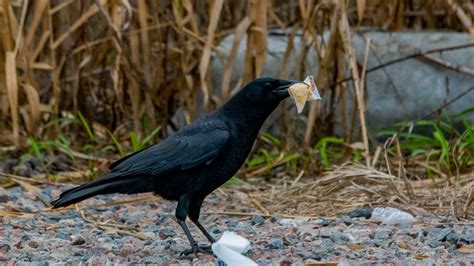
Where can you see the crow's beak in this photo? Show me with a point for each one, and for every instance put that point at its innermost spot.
(282, 89)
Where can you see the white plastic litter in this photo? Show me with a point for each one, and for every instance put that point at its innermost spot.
(229, 249)
(303, 92)
(389, 215)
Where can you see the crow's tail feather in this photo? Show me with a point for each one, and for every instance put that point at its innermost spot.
(107, 185)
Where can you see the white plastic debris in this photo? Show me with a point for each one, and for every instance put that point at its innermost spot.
(229, 249)
(303, 92)
(389, 215)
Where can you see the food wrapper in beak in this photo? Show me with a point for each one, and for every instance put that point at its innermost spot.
(304, 92)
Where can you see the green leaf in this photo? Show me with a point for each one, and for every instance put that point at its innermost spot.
(150, 136)
(136, 145)
(117, 143)
(322, 146)
(86, 126)
(35, 147)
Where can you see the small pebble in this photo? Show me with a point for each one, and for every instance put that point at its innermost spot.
(214, 229)
(437, 235)
(383, 233)
(166, 232)
(361, 213)
(78, 240)
(348, 220)
(322, 221)
(301, 221)
(261, 262)
(5, 248)
(318, 255)
(276, 243)
(33, 244)
(257, 220)
(231, 223)
(287, 222)
(242, 224)
(4, 195)
(457, 239)
(339, 238)
(275, 219)
(63, 234)
(469, 230)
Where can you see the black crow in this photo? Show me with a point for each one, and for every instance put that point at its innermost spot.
(199, 158)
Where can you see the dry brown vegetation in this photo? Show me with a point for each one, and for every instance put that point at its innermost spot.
(139, 61)
(131, 65)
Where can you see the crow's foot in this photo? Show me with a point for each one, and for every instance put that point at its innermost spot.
(195, 249)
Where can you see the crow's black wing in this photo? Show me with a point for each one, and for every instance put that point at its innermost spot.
(188, 148)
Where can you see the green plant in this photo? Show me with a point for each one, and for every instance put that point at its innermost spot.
(325, 152)
(62, 144)
(86, 126)
(117, 143)
(138, 144)
(445, 142)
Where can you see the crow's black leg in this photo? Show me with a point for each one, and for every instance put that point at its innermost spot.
(181, 214)
(194, 211)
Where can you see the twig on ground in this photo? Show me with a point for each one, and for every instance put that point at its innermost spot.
(32, 180)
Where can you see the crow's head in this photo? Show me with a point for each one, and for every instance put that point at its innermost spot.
(267, 90)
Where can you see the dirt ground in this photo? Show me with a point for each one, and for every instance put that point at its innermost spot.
(142, 229)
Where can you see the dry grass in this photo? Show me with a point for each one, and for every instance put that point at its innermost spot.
(351, 186)
(131, 65)
(140, 61)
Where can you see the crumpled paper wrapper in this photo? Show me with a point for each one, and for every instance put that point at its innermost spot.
(229, 250)
(304, 92)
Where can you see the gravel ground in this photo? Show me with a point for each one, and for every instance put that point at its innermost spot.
(146, 232)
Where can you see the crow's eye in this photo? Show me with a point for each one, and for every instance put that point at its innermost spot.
(268, 86)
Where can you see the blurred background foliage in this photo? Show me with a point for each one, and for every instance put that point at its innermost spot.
(109, 76)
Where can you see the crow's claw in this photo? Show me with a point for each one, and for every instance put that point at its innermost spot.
(197, 249)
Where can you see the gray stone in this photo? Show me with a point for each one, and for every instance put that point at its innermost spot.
(242, 224)
(5, 248)
(469, 230)
(39, 263)
(166, 232)
(339, 238)
(231, 222)
(27, 205)
(437, 235)
(301, 221)
(367, 243)
(4, 195)
(63, 234)
(33, 244)
(348, 220)
(405, 226)
(456, 238)
(327, 243)
(319, 254)
(383, 233)
(156, 260)
(287, 222)
(276, 243)
(257, 220)
(453, 263)
(322, 221)
(360, 213)
(215, 229)
(262, 262)
(407, 90)
(77, 240)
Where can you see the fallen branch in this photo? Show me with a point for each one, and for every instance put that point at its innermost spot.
(410, 56)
